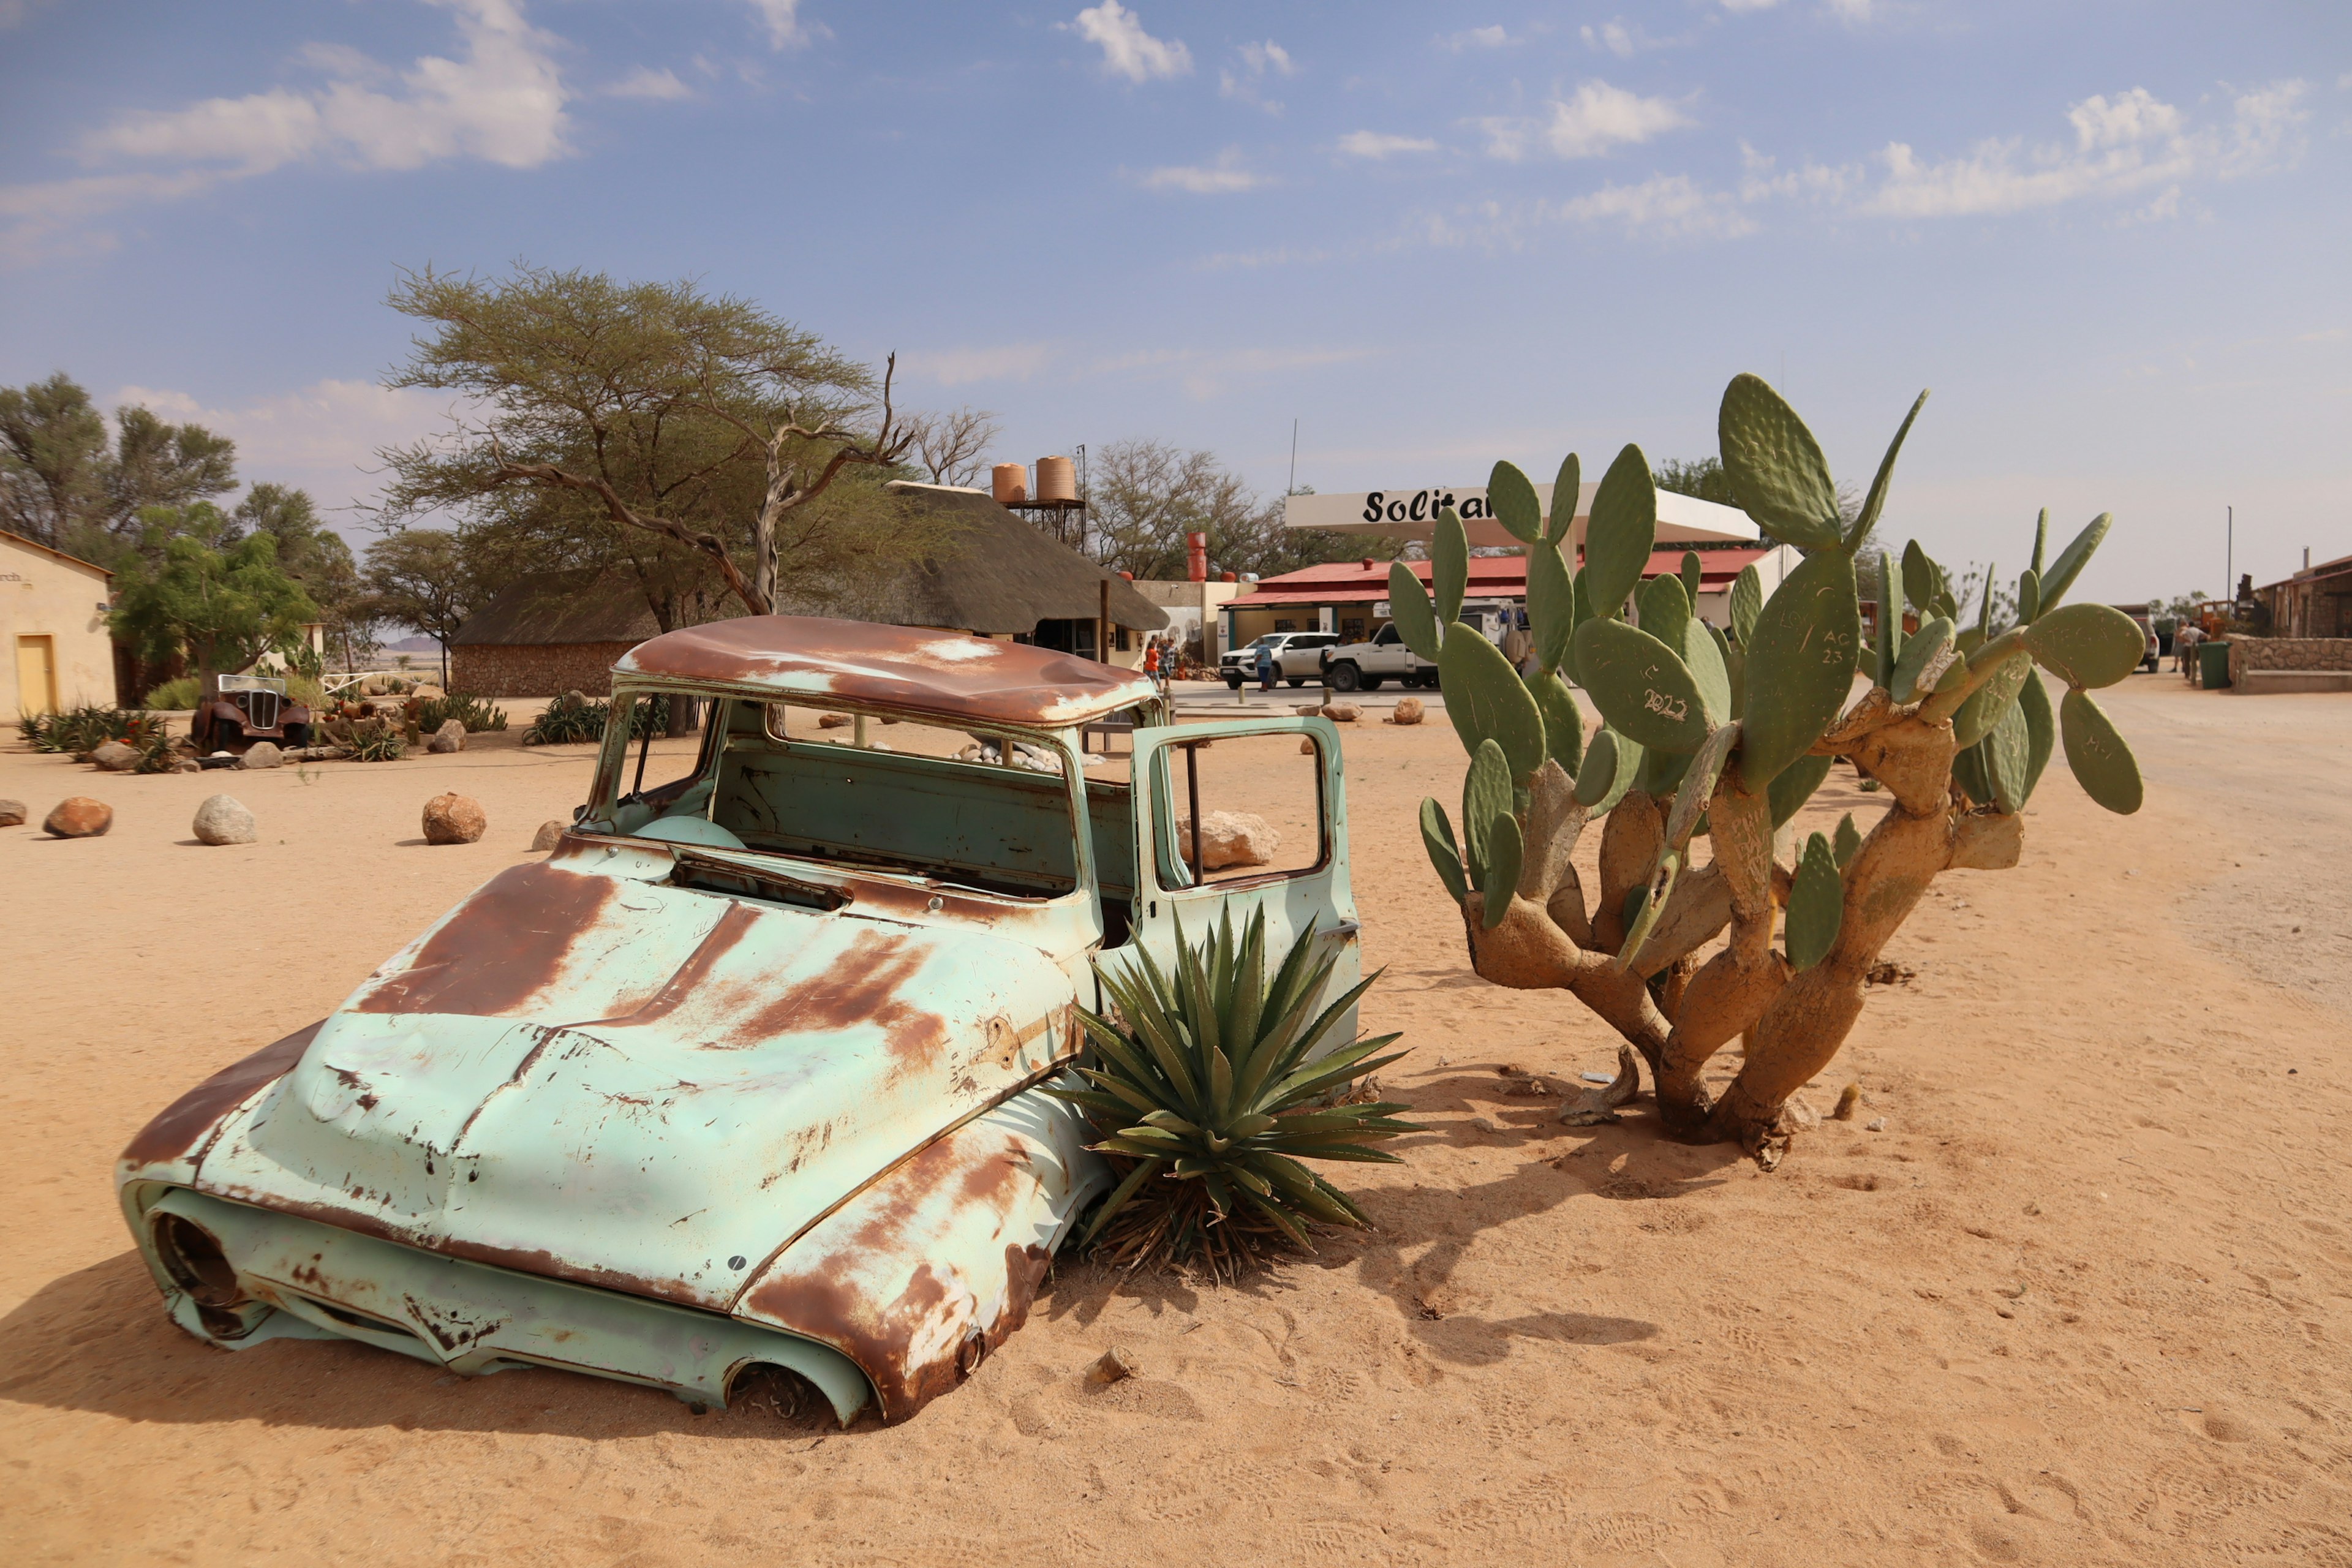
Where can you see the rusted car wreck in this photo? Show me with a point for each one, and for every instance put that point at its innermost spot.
(737, 1084)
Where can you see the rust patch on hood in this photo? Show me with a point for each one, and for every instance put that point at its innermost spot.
(183, 1126)
(862, 986)
(500, 947)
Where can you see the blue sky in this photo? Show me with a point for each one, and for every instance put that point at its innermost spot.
(2116, 238)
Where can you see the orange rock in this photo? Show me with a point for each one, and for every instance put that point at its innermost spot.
(78, 817)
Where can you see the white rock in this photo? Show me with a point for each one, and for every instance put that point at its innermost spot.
(450, 736)
(262, 755)
(114, 757)
(1229, 838)
(1342, 712)
(223, 820)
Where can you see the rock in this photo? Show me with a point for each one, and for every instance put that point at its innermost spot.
(1342, 712)
(223, 820)
(1229, 838)
(12, 812)
(832, 720)
(1308, 710)
(450, 736)
(1307, 745)
(1875, 1124)
(550, 834)
(1408, 710)
(114, 757)
(262, 755)
(1116, 1366)
(428, 692)
(78, 817)
(453, 820)
(572, 701)
(187, 766)
(374, 686)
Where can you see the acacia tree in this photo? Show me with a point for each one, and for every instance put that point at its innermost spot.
(953, 447)
(62, 483)
(214, 595)
(418, 577)
(702, 424)
(1723, 737)
(1145, 496)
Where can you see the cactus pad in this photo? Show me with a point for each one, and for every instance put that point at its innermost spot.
(1610, 764)
(1563, 725)
(1918, 653)
(1504, 848)
(2103, 765)
(1698, 785)
(1551, 603)
(1691, 575)
(1846, 844)
(1566, 488)
(2087, 644)
(1415, 622)
(1816, 906)
(1747, 604)
(1623, 531)
(1776, 468)
(1800, 666)
(2040, 730)
(1512, 499)
(1449, 565)
(1487, 702)
(1487, 798)
(1437, 838)
(1874, 502)
(1641, 687)
(1977, 716)
(1794, 786)
(2073, 559)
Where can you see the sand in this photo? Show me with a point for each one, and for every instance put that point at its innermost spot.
(2087, 1299)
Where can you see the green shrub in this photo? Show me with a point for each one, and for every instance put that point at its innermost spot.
(377, 744)
(473, 712)
(1208, 1094)
(84, 729)
(562, 723)
(176, 696)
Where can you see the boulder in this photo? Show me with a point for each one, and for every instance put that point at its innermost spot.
(1307, 745)
(572, 701)
(450, 736)
(223, 820)
(78, 817)
(1342, 712)
(12, 812)
(453, 820)
(262, 755)
(1229, 838)
(1308, 710)
(832, 720)
(1408, 710)
(550, 834)
(426, 691)
(187, 766)
(114, 757)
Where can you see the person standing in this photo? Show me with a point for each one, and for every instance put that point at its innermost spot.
(1265, 666)
(2184, 646)
(1151, 663)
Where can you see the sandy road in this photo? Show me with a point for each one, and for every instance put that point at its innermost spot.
(2087, 1300)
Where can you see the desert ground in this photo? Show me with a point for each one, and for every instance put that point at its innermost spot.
(2086, 1298)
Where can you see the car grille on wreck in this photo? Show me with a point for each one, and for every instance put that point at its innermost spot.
(261, 709)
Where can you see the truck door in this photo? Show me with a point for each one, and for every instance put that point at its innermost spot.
(1261, 798)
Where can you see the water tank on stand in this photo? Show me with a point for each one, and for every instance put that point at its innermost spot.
(1057, 480)
(1009, 483)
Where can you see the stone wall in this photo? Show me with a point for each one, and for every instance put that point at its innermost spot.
(547, 669)
(2288, 652)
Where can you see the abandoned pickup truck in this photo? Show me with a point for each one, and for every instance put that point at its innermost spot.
(738, 1088)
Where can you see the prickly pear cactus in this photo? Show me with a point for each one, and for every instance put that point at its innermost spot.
(1721, 733)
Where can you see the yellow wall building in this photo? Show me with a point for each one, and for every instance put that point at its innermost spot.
(53, 621)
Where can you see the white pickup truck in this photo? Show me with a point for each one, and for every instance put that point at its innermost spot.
(1363, 666)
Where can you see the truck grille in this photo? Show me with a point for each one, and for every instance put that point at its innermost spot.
(261, 710)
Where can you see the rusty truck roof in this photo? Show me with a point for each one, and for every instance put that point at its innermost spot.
(923, 670)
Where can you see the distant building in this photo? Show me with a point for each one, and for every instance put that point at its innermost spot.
(561, 631)
(2316, 602)
(53, 609)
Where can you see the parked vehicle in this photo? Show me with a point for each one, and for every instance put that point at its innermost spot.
(738, 1088)
(1363, 666)
(1294, 658)
(2145, 615)
(235, 711)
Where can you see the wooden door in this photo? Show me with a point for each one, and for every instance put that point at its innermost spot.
(37, 675)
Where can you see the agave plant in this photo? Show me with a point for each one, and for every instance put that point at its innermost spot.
(1210, 1090)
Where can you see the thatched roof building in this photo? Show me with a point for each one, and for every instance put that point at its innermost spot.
(994, 575)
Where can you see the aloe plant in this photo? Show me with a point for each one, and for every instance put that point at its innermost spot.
(1211, 1086)
(1724, 733)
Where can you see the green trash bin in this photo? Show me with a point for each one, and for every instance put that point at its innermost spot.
(2212, 665)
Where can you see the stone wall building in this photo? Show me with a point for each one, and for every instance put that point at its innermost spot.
(550, 633)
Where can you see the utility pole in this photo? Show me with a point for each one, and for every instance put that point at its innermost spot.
(1293, 489)
(2230, 559)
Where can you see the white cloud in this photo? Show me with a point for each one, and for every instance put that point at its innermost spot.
(960, 367)
(1381, 144)
(322, 439)
(1611, 36)
(1665, 206)
(1259, 61)
(1128, 49)
(1224, 177)
(648, 83)
(782, 20)
(1852, 10)
(1490, 37)
(1737, 6)
(2123, 145)
(1597, 118)
(501, 100)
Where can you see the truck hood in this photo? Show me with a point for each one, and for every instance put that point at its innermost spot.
(640, 1086)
